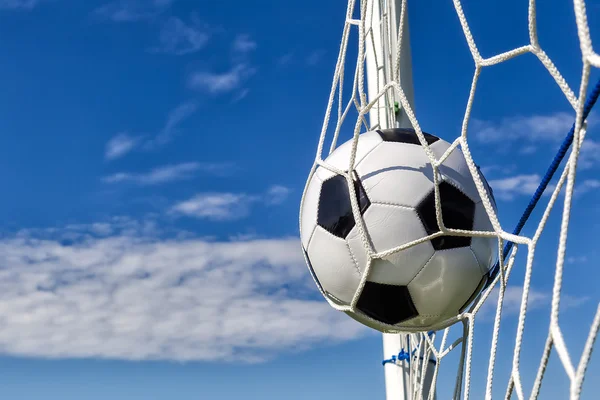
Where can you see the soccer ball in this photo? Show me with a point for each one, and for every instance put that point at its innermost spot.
(424, 285)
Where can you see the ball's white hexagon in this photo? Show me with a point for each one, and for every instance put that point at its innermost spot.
(390, 226)
(390, 169)
(310, 209)
(340, 158)
(444, 285)
(455, 169)
(484, 248)
(333, 264)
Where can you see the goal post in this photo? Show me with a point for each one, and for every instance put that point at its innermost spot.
(386, 34)
(383, 31)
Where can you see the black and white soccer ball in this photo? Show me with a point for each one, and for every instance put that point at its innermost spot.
(420, 287)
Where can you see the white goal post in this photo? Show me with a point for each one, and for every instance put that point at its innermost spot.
(387, 33)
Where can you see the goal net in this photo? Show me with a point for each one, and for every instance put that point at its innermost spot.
(508, 358)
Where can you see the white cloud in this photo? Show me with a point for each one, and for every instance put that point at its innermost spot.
(228, 206)
(133, 296)
(315, 57)
(528, 149)
(567, 301)
(552, 127)
(577, 259)
(503, 169)
(179, 38)
(511, 187)
(167, 173)
(587, 185)
(18, 4)
(174, 119)
(222, 82)
(124, 143)
(216, 206)
(285, 59)
(512, 301)
(232, 80)
(243, 44)
(277, 194)
(589, 154)
(120, 145)
(132, 10)
(115, 226)
(178, 115)
(526, 134)
(537, 299)
(525, 185)
(241, 95)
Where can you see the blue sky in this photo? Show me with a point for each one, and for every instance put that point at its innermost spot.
(153, 157)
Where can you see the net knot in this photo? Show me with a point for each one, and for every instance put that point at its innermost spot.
(402, 356)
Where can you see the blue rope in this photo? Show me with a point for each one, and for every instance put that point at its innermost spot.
(546, 179)
(403, 355)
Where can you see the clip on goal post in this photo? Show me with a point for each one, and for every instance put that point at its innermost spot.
(412, 361)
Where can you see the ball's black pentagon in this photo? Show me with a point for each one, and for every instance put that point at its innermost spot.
(405, 135)
(458, 212)
(389, 304)
(482, 283)
(335, 209)
(311, 270)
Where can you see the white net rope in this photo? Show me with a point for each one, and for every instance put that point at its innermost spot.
(356, 109)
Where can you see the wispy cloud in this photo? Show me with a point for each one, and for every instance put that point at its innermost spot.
(537, 299)
(18, 4)
(277, 194)
(552, 127)
(241, 95)
(568, 301)
(124, 143)
(174, 119)
(216, 206)
(133, 296)
(587, 185)
(231, 80)
(220, 82)
(178, 37)
(228, 206)
(243, 44)
(525, 185)
(503, 169)
(513, 186)
(315, 57)
(577, 259)
(167, 173)
(512, 301)
(527, 134)
(589, 155)
(132, 10)
(285, 59)
(120, 145)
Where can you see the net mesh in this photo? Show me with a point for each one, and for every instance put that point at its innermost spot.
(377, 23)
